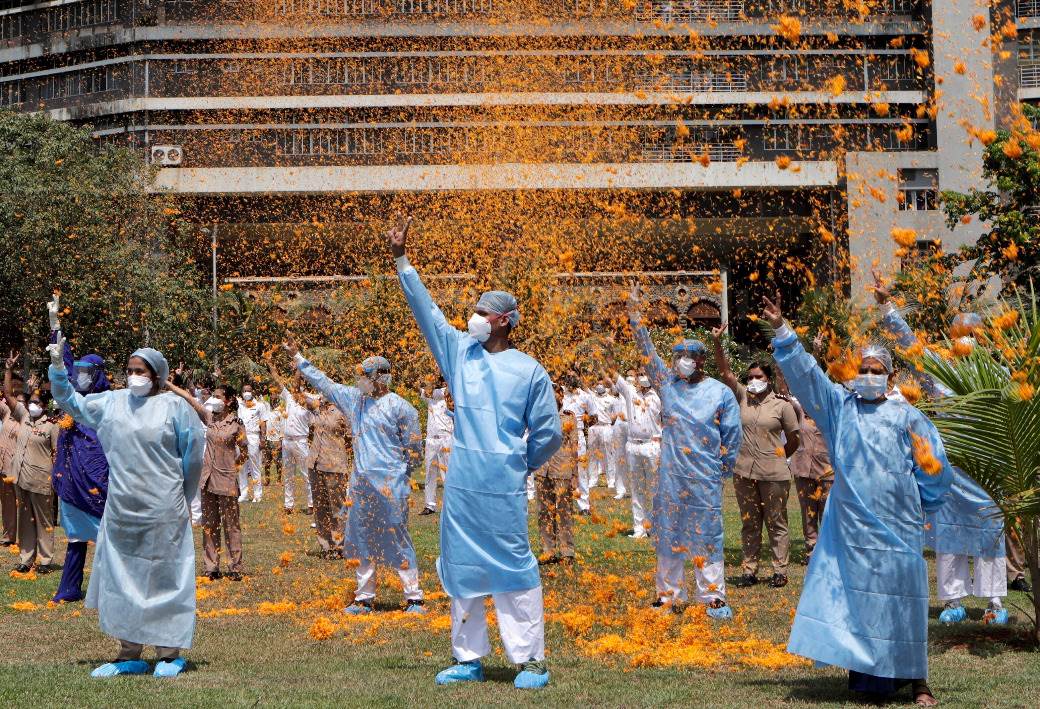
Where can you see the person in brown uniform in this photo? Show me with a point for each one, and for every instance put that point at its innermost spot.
(329, 463)
(762, 480)
(555, 483)
(8, 505)
(225, 451)
(813, 477)
(35, 443)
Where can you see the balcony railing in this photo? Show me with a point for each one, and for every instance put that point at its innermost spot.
(1028, 8)
(1029, 76)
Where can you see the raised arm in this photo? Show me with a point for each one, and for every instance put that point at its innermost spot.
(342, 396)
(722, 361)
(9, 365)
(87, 410)
(655, 367)
(819, 396)
(204, 415)
(442, 338)
(53, 315)
(905, 338)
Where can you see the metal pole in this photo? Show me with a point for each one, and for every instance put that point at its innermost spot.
(724, 302)
(213, 251)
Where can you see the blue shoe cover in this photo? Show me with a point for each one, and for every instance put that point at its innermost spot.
(126, 667)
(358, 609)
(956, 614)
(720, 613)
(169, 668)
(462, 672)
(415, 609)
(531, 680)
(1000, 617)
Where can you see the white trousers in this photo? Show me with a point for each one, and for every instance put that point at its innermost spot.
(366, 582)
(583, 473)
(643, 462)
(619, 454)
(294, 463)
(521, 623)
(438, 450)
(196, 507)
(250, 471)
(955, 581)
(601, 454)
(671, 580)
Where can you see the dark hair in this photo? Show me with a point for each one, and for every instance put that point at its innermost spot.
(766, 368)
(229, 393)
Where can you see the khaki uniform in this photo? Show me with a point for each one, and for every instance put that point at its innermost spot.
(813, 477)
(219, 485)
(31, 462)
(330, 463)
(1015, 556)
(555, 483)
(763, 479)
(8, 504)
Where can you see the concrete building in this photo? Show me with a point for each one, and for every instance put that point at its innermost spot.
(759, 129)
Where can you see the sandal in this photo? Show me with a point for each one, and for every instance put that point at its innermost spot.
(923, 696)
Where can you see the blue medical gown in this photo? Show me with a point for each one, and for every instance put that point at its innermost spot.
(498, 398)
(387, 445)
(700, 440)
(864, 604)
(969, 522)
(143, 579)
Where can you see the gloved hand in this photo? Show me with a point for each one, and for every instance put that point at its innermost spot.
(57, 350)
(53, 308)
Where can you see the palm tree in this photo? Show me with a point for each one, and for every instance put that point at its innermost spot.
(991, 423)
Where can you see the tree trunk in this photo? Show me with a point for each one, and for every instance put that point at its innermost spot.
(1031, 539)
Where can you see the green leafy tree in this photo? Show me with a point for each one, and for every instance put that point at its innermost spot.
(1010, 248)
(77, 217)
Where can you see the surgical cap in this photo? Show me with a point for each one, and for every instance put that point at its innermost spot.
(156, 361)
(375, 364)
(693, 347)
(878, 352)
(968, 321)
(502, 303)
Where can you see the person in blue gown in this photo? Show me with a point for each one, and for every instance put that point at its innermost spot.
(80, 473)
(700, 441)
(387, 446)
(143, 579)
(864, 604)
(968, 528)
(506, 426)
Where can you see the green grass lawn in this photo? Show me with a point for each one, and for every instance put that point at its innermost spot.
(252, 659)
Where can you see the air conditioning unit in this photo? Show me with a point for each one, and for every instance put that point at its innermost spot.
(167, 155)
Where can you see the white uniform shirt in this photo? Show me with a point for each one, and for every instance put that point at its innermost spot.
(643, 411)
(607, 407)
(275, 424)
(439, 421)
(297, 418)
(581, 403)
(251, 416)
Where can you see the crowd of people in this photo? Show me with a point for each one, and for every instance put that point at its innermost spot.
(132, 467)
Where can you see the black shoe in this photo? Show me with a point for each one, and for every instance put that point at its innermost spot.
(235, 576)
(658, 604)
(1020, 584)
(309, 511)
(585, 513)
(549, 560)
(745, 581)
(214, 575)
(778, 581)
(44, 569)
(567, 560)
(428, 511)
(22, 568)
(805, 560)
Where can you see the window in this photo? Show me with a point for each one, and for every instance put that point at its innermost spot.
(11, 93)
(918, 189)
(184, 66)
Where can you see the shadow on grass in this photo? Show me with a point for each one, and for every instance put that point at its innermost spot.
(978, 639)
(189, 666)
(809, 689)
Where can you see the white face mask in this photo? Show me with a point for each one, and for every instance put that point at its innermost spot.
(479, 328)
(644, 382)
(685, 366)
(83, 381)
(757, 386)
(870, 387)
(214, 405)
(365, 385)
(139, 384)
(35, 410)
(247, 396)
(600, 389)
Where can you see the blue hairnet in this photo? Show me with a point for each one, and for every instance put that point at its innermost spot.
(156, 361)
(878, 352)
(502, 303)
(693, 347)
(375, 364)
